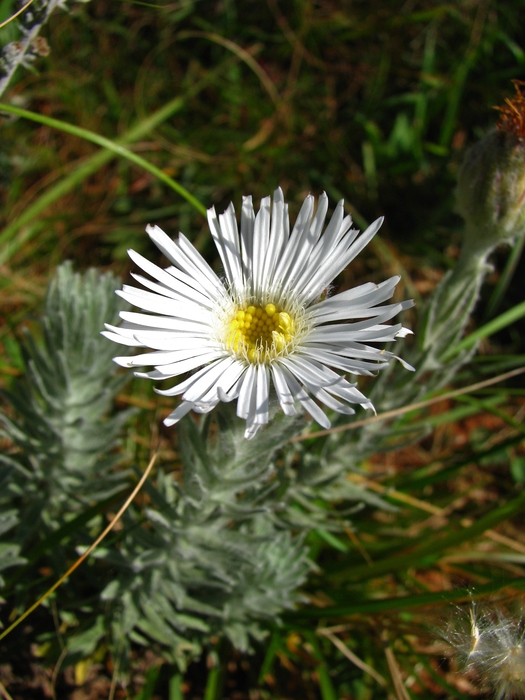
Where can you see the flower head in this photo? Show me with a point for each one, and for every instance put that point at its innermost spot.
(491, 180)
(269, 322)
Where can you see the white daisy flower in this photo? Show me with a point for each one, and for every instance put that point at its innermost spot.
(268, 323)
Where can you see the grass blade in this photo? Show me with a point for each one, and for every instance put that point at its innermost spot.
(115, 147)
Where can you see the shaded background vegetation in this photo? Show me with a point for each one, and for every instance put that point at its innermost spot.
(373, 102)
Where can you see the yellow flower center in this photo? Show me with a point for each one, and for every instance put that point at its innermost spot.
(260, 333)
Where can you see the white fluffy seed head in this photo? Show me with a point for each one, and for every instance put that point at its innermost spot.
(492, 644)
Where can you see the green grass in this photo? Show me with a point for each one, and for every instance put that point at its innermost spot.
(152, 112)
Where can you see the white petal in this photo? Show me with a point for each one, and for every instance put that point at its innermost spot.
(300, 394)
(235, 390)
(373, 334)
(314, 376)
(247, 396)
(223, 377)
(185, 257)
(163, 243)
(190, 281)
(199, 389)
(349, 364)
(226, 236)
(247, 226)
(351, 312)
(198, 267)
(322, 252)
(311, 373)
(349, 350)
(251, 429)
(175, 368)
(187, 383)
(178, 413)
(205, 407)
(332, 245)
(168, 280)
(159, 288)
(263, 391)
(283, 392)
(154, 302)
(350, 394)
(167, 361)
(405, 364)
(334, 264)
(118, 337)
(261, 233)
(363, 297)
(145, 321)
(346, 331)
(293, 248)
(333, 403)
(307, 236)
(162, 340)
(188, 306)
(320, 216)
(404, 332)
(278, 238)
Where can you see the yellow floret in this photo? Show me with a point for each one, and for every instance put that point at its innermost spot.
(259, 334)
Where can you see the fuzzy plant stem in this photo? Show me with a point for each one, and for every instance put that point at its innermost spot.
(449, 310)
(444, 321)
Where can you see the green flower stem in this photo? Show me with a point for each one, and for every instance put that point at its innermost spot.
(505, 277)
(451, 305)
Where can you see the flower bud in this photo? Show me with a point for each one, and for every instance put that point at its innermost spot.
(491, 181)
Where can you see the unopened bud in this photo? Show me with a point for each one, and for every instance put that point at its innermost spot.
(491, 181)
